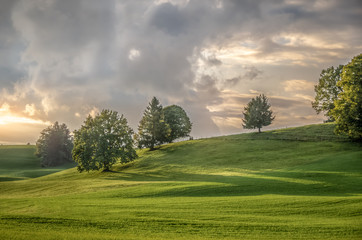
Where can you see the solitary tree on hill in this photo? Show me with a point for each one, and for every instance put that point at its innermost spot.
(102, 141)
(257, 113)
(54, 145)
(152, 129)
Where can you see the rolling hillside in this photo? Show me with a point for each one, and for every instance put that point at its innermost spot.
(19, 162)
(297, 183)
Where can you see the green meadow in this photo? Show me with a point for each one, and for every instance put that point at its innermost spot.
(295, 183)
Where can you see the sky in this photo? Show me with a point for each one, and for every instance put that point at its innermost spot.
(63, 60)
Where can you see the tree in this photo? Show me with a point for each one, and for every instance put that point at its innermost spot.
(152, 129)
(257, 113)
(348, 106)
(54, 145)
(178, 121)
(327, 91)
(102, 141)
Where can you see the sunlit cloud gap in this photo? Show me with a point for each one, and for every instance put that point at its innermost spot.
(16, 119)
(8, 117)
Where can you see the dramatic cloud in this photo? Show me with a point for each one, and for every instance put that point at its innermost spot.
(61, 60)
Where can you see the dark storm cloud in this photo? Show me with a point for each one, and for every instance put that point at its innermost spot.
(69, 42)
(283, 103)
(252, 73)
(213, 61)
(295, 12)
(10, 47)
(71, 56)
(232, 81)
(169, 19)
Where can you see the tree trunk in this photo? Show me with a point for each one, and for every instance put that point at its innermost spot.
(259, 130)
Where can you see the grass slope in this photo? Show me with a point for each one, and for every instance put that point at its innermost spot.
(301, 183)
(19, 162)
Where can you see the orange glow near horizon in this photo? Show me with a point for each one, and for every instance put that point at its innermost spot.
(17, 128)
(16, 119)
(8, 117)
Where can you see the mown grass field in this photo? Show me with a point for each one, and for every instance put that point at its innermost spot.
(301, 183)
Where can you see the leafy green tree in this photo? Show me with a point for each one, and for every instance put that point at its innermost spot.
(102, 141)
(348, 106)
(54, 145)
(327, 91)
(257, 113)
(178, 121)
(152, 129)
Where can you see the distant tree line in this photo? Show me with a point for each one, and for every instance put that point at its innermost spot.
(106, 138)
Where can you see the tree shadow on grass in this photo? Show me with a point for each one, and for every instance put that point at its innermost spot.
(9, 179)
(7, 175)
(213, 185)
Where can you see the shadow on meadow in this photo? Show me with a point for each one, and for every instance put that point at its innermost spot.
(10, 179)
(239, 169)
(248, 184)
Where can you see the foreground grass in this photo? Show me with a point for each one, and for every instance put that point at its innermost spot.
(286, 184)
(252, 217)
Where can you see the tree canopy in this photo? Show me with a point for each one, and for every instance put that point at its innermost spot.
(348, 105)
(257, 113)
(54, 145)
(152, 129)
(327, 91)
(178, 122)
(102, 141)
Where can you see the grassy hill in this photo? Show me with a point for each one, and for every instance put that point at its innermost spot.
(19, 162)
(299, 183)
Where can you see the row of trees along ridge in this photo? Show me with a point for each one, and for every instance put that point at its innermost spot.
(106, 139)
